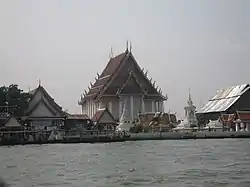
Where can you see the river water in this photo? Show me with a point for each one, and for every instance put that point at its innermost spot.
(176, 163)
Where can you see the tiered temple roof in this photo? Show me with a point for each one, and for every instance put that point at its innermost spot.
(122, 74)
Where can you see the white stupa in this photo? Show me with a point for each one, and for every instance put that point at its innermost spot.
(124, 123)
(190, 119)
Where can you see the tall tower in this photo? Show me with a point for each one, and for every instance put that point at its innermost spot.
(190, 112)
(190, 119)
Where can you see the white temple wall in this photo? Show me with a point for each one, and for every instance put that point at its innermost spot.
(134, 105)
(137, 105)
(114, 108)
(161, 106)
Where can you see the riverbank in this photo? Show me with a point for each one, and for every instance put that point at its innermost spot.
(139, 137)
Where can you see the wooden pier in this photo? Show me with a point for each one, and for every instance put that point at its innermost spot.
(108, 136)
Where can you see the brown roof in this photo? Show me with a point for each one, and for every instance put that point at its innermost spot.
(243, 115)
(108, 76)
(77, 116)
(107, 73)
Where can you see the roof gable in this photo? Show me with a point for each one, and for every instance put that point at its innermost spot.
(131, 85)
(224, 99)
(12, 122)
(42, 109)
(103, 116)
(39, 94)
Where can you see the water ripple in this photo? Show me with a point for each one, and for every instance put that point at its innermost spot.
(151, 163)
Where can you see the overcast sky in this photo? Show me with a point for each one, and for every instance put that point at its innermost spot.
(197, 44)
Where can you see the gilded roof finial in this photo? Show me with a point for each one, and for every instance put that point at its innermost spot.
(39, 82)
(130, 47)
(190, 102)
(127, 46)
(189, 94)
(111, 53)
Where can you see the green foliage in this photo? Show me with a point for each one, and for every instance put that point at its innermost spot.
(14, 98)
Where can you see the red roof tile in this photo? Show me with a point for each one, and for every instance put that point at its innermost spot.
(244, 115)
(227, 117)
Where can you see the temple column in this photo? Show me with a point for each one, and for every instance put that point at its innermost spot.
(88, 108)
(242, 127)
(142, 105)
(132, 108)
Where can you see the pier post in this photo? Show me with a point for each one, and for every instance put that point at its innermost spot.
(237, 127)
(247, 126)
(242, 127)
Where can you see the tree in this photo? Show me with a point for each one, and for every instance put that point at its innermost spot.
(14, 99)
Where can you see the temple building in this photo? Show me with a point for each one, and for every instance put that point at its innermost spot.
(43, 112)
(123, 84)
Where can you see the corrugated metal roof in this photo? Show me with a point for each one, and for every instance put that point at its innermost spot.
(224, 99)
